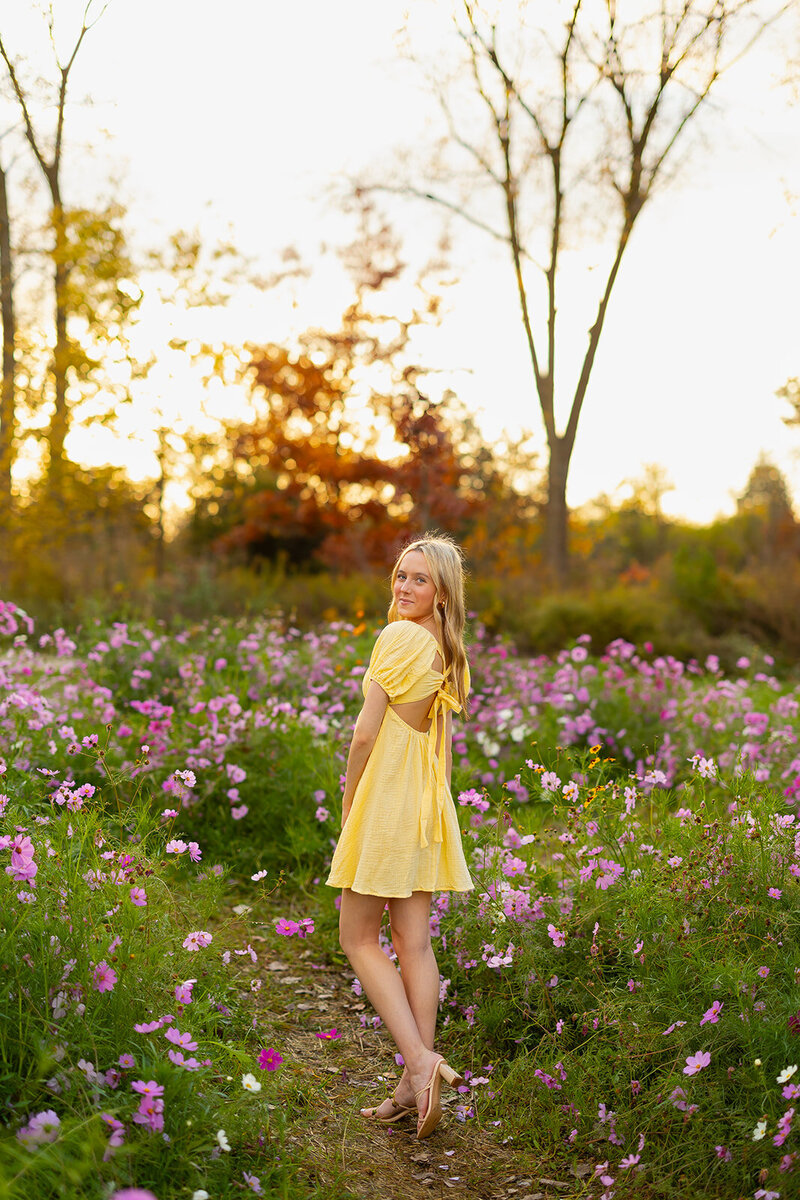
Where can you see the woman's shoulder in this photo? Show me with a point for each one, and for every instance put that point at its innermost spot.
(403, 633)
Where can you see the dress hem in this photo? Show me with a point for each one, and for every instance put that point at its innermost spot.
(399, 895)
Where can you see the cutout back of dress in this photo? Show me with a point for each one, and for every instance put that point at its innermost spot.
(415, 713)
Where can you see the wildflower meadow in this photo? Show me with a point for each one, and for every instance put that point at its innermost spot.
(621, 989)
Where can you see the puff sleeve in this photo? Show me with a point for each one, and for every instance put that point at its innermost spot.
(402, 654)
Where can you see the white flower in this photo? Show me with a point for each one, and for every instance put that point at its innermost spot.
(224, 1144)
(759, 1131)
(250, 1083)
(200, 1194)
(787, 1073)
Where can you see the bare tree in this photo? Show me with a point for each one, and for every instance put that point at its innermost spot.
(567, 125)
(48, 152)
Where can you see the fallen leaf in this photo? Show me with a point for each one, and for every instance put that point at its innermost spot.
(582, 1170)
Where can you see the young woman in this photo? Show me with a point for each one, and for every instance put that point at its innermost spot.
(400, 837)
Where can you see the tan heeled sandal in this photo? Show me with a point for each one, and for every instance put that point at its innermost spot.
(398, 1112)
(433, 1113)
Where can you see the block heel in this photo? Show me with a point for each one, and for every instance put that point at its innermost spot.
(450, 1076)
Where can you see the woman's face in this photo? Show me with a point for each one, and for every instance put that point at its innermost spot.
(414, 590)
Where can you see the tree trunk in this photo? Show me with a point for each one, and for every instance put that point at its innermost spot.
(8, 393)
(59, 425)
(557, 515)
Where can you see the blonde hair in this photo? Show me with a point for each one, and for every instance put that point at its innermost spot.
(445, 562)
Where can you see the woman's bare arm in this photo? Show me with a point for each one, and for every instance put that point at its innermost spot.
(364, 736)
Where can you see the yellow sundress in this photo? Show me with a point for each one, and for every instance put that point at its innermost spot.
(402, 833)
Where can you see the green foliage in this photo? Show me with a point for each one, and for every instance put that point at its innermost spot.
(93, 945)
(641, 931)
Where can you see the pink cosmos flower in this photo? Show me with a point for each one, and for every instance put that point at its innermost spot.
(195, 853)
(117, 1136)
(189, 1064)
(322, 813)
(148, 1026)
(775, 893)
(557, 937)
(238, 813)
(763, 972)
(184, 1040)
(197, 940)
(330, 1035)
(696, 1062)
(711, 1015)
(235, 774)
(22, 851)
(253, 1182)
(25, 872)
(183, 992)
(270, 1060)
(151, 1114)
(724, 1153)
(43, 1127)
(176, 846)
(286, 928)
(104, 977)
(139, 897)
(151, 1088)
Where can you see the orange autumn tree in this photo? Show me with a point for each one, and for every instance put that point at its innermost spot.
(348, 456)
(318, 493)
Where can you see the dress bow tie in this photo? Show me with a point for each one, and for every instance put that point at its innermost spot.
(436, 766)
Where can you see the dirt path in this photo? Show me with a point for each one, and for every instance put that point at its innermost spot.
(303, 995)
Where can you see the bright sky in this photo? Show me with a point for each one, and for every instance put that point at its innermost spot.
(241, 115)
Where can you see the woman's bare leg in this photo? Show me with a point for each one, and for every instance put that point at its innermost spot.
(359, 926)
(411, 938)
(410, 921)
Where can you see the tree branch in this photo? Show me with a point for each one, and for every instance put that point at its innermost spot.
(420, 194)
